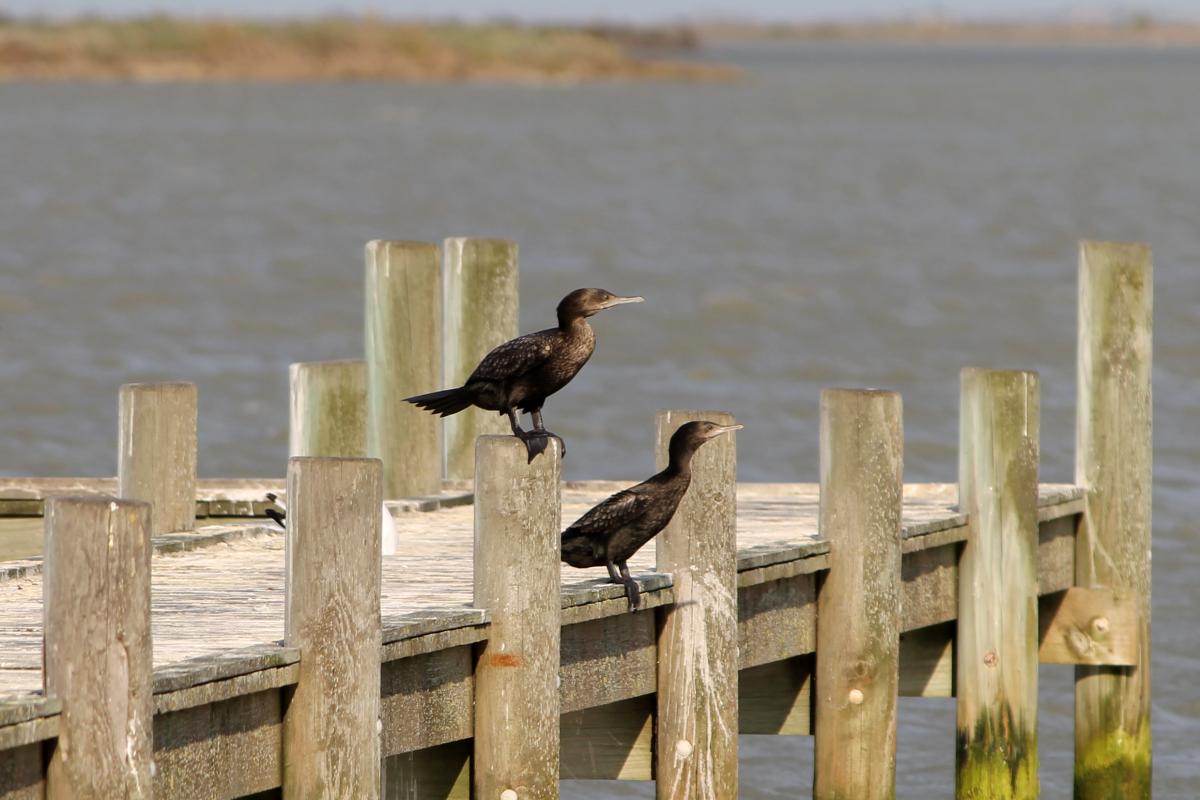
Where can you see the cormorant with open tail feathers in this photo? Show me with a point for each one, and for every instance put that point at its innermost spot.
(614, 530)
(520, 374)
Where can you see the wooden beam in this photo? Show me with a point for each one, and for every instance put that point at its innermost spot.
(517, 579)
(696, 736)
(433, 773)
(1088, 626)
(858, 605)
(997, 661)
(404, 358)
(776, 698)
(328, 408)
(481, 313)
(331, 725)
(97, 647)
(1113, 464)
(927, 661)
(609, 742)
(156, 458)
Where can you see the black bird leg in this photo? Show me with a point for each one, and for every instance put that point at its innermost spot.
(540, 427)
(612, 571)
(631, 588)
(535, 440)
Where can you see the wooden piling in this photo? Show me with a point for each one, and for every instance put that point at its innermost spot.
(517, 579)
(404, 358)
(156, 461)
(328, 409)
(858, 605)
(697, 722)
(97, 647)
(481, 312)
(1113, 464)
(331, 725)
(997, 662)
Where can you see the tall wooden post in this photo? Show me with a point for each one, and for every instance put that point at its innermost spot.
(858, 607)
(481, 313)
(1113, 463)
(156, 458)
(97, 647)
(697, 721)
(517, 579)
(997, 657)
(404, 358)
(328, 409)
(331, 726)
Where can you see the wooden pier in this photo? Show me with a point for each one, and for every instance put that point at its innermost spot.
(305, 664)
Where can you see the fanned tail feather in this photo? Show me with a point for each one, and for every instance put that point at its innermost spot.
(444, 403)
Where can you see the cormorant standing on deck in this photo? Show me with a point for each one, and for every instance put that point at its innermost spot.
(522, 373)
(614, 530)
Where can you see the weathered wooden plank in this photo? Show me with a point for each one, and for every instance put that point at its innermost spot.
(1088, 626)
(1056, 553)
(21, 776)
(428, 699)
(435, 773)
(858, 607)
(927, 661)
(404, 358)
(609, 742)
(328, 408)
(1113, 463)
(219, 750)
(929, 586)
(156, 460)
(481, 313)
(607, 659)
(776, 698)
(97, 646)
(517, 579)
(330, 727)
(997, 662)
(696, 735)
(777, 620)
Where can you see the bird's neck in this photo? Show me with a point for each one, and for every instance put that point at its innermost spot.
(680, 463)
(574, 325)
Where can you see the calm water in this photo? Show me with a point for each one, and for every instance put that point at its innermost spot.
(845, 216)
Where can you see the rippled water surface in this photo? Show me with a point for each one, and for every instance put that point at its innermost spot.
(845, 216)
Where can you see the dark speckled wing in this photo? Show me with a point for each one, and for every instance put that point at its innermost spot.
(515, 358)
(583, 542)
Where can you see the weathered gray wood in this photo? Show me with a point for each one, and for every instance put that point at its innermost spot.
(927, 661)
(1113, 463)
(97, 647)
(428, 699)
(1056, 553)
(517, 579)
(607, 659)
(156, 459)
(481, 312)
(21, 776)
(609, 742)
(1088, 626)
(997, 586)
(697, 723)
(776, 698)
(328, 408)
(777, 620)
(434, 773)
(404, 358)
(858, 606)
(330, 727)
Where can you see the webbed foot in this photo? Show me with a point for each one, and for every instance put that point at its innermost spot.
(536, 442)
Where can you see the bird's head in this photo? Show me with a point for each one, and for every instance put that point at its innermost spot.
(690, 435)
(586, 302)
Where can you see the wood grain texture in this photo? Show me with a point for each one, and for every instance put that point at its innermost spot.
(481, 309)
(609, 742)
(21, 775)
(517, 579)
(156, 457)
(776, 698)
(434, 773)
(404, 358)
(98, 647)
(697, 723)
(328, 408)
(927, 661)
(1088, 626)
(858, 606)
(330, 727)
(997, 666)
(1113, 463)
(428, 699)
(607, 659)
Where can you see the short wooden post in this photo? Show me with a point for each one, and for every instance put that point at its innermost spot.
(97, 646)
(858, 606)
(156, 460)
(517, 578)
(997, 661)
(697, 722)
(481, 312)
(1113, 463)
(404, 358)
(328, 409)
(331, 726)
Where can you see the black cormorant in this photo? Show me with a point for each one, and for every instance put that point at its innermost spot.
(614, 530)
(520, 374)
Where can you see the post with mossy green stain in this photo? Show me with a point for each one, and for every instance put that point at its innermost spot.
(858, 606)
(404, 358)
(328, 409)
(480, 277)
(997, 655)
(1113, 464)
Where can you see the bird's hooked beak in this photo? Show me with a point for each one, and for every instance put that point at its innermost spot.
(617, 301)
(722, 429)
